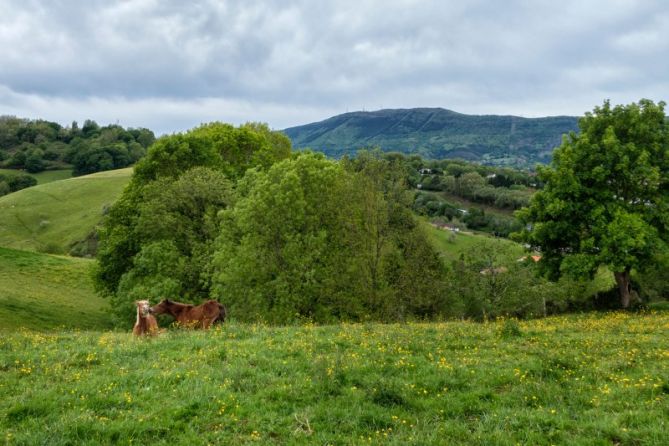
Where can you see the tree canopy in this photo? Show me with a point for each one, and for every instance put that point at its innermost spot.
(606, 195)
(36, 145)
(157, 238)
(317, 239)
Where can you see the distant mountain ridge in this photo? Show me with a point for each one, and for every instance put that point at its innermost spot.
(438, 133)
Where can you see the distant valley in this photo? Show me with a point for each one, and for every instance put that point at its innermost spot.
(437, 133)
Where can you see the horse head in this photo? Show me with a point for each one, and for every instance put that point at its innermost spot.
(162, 307)
(143, 307)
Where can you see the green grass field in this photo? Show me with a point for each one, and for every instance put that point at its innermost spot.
(50, 217)
(67, 378)
(598, 379)
(47, 176)
(42, 292)
(451, 245)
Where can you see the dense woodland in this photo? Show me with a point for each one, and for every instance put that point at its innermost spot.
(38, 145)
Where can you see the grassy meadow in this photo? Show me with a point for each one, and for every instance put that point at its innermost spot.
(43, 292)
(596, 379)
(50, 217)
(451, 245)
(67, 377)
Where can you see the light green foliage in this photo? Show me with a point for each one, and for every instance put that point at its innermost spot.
(573, 380)
(42, 292)
(312, 239)
(488, 281)
(284, 239)
(59, 213)
(606, 198)
(469, 182)
(490, 277)
(232, 150)
(177, 224)
(170, 208)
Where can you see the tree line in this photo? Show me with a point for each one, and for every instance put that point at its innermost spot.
(37, 145)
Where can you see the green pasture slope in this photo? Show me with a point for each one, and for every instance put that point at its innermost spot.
(43, 292)
(597, 379)
(50, 217)
(451, 245)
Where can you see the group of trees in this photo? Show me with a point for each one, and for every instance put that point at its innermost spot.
(602, 202)
(475, 218)
(314, 238)
(479, 189)
(489, 281)
(606, 198)
(230, 213)
(37, 145)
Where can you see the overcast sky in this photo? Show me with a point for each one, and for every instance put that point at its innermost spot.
(171, 65)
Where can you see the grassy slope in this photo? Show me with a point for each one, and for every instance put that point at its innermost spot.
(60, 212)
(40, 291)
(451, 247)
(588, 380)
(45, 177)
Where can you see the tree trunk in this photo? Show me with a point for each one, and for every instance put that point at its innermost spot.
(623, 281)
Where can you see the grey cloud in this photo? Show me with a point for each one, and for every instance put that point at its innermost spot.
(529, 58)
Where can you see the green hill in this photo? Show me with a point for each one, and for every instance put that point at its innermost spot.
(52, 217)
(42, 291)
(438, 133)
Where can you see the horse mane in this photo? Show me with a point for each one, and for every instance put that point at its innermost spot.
(175, 308)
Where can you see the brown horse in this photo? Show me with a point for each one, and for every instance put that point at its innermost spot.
(146, 324)
(196, 316)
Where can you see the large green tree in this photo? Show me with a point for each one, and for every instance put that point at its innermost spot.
(176, 225)
(314, 238)
(606, 195)
(169, 211)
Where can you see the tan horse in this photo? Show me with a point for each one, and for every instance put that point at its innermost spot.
(146, 324)
(195, 316)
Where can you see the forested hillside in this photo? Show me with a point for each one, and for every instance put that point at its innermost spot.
(38, 145)
(437, 133)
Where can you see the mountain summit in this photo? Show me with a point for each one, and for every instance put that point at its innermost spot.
(438, 133)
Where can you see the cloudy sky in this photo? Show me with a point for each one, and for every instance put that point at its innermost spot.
(170, 65)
